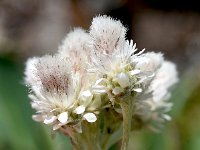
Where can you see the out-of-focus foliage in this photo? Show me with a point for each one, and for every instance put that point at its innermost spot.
(36, 27)
(17, 129)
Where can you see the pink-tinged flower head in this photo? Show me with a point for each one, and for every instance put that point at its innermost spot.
(76, 47)
(107, 34)
(55, 90)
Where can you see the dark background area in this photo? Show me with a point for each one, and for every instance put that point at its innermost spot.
(37, 27)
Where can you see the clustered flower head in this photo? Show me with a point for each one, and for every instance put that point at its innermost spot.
(95, 70)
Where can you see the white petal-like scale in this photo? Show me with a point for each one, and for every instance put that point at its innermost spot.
(99, 81)
(63, 117)
(139, 90)
(90, 117)
(85, 98)
(79, 110)
(134, 72)
(167, 117)
(87, 93)
(99, 89)
(50, 119)
(38, 118)
(117, 90)
(123, 80)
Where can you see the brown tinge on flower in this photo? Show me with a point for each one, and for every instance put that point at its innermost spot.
(76, 47)
(53, 74)
(54, 90)
(57, 91)
(50, 74)
(107, 34)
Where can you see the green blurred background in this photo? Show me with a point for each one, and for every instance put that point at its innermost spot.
(34, 28)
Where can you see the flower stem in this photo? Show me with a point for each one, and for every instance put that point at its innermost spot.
(126, 105)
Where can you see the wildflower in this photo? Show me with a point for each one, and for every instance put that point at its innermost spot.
(98, 78)
(152, 109)
(56, 91)
(121, 69)
(131, 79)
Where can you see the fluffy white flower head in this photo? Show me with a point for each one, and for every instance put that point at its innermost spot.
(55, 89)
(76, 47)
(107, 34)
(121, 68)
(154, 105)
(96, 70)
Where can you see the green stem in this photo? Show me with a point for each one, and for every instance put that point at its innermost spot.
(126, 105)
(88, 140)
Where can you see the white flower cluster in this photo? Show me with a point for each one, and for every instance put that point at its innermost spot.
(92, 71)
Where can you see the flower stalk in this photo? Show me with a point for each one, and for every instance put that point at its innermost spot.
(127, 109)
